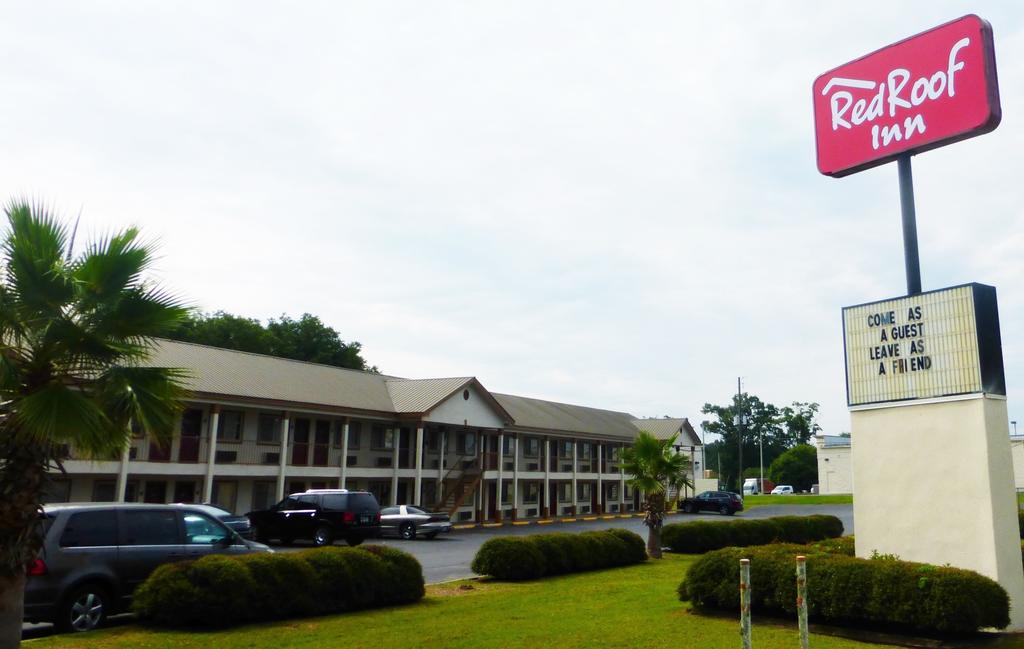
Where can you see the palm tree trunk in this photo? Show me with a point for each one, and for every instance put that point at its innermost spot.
(654, 542)
(12, 602)
(22, 477)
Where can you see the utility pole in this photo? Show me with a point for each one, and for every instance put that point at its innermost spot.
(738, 420)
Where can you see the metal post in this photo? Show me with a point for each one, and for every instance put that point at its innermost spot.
(910, 255)
(745, 603)
(801, 599)
(739, 436)
(760, 441)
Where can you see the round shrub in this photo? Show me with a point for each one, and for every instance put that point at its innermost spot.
(843, 590)
(511, 558)
(166, 596)
(635, 548)
(698, 537)
(347, 578)
(285, 585)
(222, 585)
(403, 583)
(557, 550)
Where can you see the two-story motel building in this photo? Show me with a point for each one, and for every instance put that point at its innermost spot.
(257, 427)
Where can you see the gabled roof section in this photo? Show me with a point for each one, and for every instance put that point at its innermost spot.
(667, 427)
(423, 395)
(217, 371)
(550, 415)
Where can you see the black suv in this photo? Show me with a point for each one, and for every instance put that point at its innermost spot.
(95, 554)
(722, 502)
(321, 515)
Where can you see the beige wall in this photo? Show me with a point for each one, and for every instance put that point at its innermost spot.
(935, 484)
(835, 470)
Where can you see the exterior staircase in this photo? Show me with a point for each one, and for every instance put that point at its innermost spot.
(457, 490)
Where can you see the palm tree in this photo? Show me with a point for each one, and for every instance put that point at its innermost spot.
(653, 465)
(74, 331)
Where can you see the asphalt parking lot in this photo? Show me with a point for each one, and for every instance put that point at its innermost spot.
(448, 556)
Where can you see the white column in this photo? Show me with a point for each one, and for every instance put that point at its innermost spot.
(501, 466)
(515, 476)
(122, 473)
(396, 435)
(546, 503)
(283, 460)
(211, 458)
(622, 484)
(600, 468)
(575, 497)
(344, 455)
(417, 490)
(442, 438)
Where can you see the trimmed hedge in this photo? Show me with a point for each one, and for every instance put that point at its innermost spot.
(515, 558)
(219, 590)
(845, 590)
(698, 537)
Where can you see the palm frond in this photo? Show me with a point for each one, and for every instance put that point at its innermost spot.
(36, 273)
(152, 396)
(59, 413)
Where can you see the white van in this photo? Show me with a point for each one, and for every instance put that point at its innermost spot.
(750, 487)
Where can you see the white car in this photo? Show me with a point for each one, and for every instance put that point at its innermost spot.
(782, 489)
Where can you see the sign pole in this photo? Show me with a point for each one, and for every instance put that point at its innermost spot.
(910, 256)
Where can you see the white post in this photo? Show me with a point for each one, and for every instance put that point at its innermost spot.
(441, 439)
(745, 602)
(760, 441)
(622, 484)
(801, 599)
(546, 504)
(600, 491)
(575, 497)
(344, 455)
(515, 477)
(283, 460)
(396, 435)
(417, 490)
(122, 474)
(501, 466)
(212, 457)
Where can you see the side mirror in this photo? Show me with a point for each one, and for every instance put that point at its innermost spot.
(225, 541)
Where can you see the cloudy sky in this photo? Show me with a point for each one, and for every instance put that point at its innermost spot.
(609, 204)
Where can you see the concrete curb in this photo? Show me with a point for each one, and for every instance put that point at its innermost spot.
(549, 521)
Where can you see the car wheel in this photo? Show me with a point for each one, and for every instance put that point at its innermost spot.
(690, 509)
(724, 510)
(408, 531)
(431, 535)
(353, 540)
(83, 610)
(323, 536)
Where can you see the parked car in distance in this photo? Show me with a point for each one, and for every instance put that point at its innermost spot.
(320, 515)
(409, 522)
(750, 487)
(94, 555)
(239, 524)
(723, 502)
(782, 490)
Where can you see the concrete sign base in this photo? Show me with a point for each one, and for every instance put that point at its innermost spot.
(933, 482)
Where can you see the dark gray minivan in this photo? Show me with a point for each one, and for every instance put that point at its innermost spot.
(94, 555)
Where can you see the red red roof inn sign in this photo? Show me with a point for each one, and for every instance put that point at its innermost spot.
(924, 92)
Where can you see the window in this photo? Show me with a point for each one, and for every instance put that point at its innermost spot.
(612, 453)
(466, 444)
(415, 510)
(532, 493)
(354, 428)
(628, 492)
(585, 450)
(57, 491)
(382, 439)
(335, 502)
(531, 447)
(507, 445)
(583, 491)
(90, 529)
(613, 492)
(269, 429)
(229, 426)
(565, 492)
(200, 529)
(433, 439)
(142, 527)
(565, 449)
(308, 501)
(506, 493)
(390, 511)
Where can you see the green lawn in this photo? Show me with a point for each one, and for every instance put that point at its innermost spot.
(797, 499)
(624, 607)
